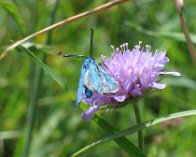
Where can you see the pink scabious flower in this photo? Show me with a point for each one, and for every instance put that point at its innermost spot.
(135, 71)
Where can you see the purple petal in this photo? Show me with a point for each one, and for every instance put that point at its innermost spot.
(158, 85)
(90, 112)
(136, 91)
(120, 98)
(170, 73)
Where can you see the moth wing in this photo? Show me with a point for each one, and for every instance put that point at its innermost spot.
(80, 87)
(91, 78)
(107, 83)
(98, 80)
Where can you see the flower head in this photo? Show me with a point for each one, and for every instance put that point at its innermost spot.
(135, 72)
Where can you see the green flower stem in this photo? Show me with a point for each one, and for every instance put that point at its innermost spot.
(139, 121)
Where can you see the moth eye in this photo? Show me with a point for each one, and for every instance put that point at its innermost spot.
(88, 93)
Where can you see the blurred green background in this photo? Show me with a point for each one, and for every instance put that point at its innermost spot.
(58, 128)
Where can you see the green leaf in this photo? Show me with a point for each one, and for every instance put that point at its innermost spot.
(172, 35)
(181, 82)
(133, 129)
(13, 11)
(48, 70)
(125, 144)
(9, 134)
(45, 132)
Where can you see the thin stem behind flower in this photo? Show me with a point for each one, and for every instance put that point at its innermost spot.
(139, 121)
(179, 6)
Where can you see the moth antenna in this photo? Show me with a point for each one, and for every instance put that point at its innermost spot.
(71, 55)
(91, 44)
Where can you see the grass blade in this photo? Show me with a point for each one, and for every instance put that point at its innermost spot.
(181, 82)
(47, 69)
(123, 142)
(171, 35)
(10, 134)
(37, 80)
(32, 109)
(45, 132)
(13, 11)
(136, 128)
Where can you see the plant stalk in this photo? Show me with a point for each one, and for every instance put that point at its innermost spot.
(139, 121)
(179, 6)
(35, 90)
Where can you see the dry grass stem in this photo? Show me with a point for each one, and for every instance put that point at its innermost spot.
(61, 23)
(179, 6)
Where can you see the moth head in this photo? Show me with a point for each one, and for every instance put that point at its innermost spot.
(88, 93)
